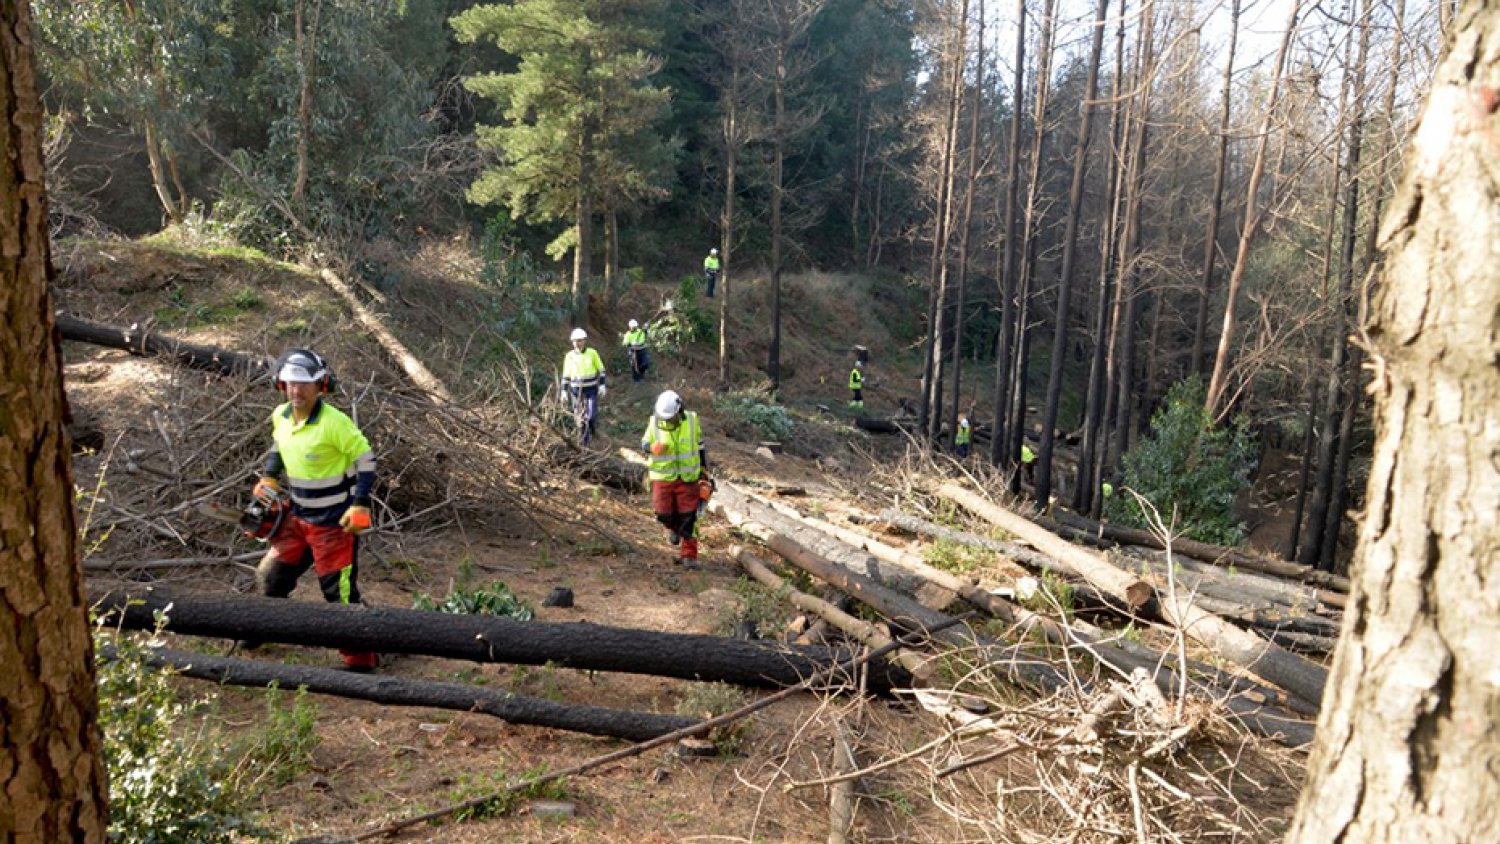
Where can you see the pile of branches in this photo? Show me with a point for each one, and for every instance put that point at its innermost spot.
(195, 430)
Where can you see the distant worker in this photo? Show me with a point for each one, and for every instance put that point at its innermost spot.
(583, 384)
(711, 270)
(857, 385)
(635, 346)
(680, 486)
(962, 437)
(1028, 464)
(329, 470)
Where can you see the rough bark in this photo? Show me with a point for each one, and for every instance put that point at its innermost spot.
(476, 638)
(1407, 743)
(1007, 269)
(1264, 659)
(403, 691)
(51, 773)
(1216, 200)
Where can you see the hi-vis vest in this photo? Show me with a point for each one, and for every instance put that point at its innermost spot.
(964, 432)
(582, 369)
(681, 461)
(856, 379)
(711, 263)
(321, 457)
(636, 340)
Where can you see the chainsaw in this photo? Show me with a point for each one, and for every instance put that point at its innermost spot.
(260, 519)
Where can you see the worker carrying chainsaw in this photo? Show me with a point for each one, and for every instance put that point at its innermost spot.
(680, 486)
(583, 384)
(634, 342)
(329, 470)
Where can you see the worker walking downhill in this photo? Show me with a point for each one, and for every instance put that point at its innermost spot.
(635, 346)
(857, 385)
(680, 486)
(329, 470)
(962, 437)
(583, 384)
(711, 270)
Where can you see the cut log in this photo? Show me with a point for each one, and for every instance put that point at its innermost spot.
(865, 632)
(1011, 550)
(149, 344)
(478, 638)
(1218, 555)
(402, 691)
(877, 426)
(1266, 660)
(419, 374)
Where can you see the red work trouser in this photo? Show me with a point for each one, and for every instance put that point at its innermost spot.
(331, 552)
(676, 505)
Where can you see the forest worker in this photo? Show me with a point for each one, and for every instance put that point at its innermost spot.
(635, 346)
(962, 437)
(583, 384)
(857, 385)
(1028, 464)
(679, 467)
(329, 470)
(711, 270)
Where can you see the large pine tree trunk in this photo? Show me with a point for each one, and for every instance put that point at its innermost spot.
(1216, 201)
(999, 454)
(1408, 737)
(51, 775)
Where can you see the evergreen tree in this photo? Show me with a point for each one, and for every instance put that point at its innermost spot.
(579, 113)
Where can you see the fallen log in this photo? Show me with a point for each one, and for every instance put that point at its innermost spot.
(142, 343)
(403, 691)
(418, 372)
(1011, 550)
(864, 631)
(1218, 555)
(1247, 593)
(877, 426)
(477, 638)
(1265, 659)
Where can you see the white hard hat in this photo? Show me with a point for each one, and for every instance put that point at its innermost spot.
(634, 324)
(578, 334)
(714, 251)
(668, 404)
(300, 366)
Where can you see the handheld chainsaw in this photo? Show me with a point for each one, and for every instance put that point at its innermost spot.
(260, 519)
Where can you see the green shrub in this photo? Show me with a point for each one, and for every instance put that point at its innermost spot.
(170, 781)
(710, 700)
(1187, 465)
(281, 749)
(754, 417)
(495, 599)
(687, 321)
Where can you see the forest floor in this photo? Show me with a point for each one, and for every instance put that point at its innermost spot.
(373, 764)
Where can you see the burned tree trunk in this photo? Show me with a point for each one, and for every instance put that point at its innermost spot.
(477, 638)
(145, 343)
(403, 691)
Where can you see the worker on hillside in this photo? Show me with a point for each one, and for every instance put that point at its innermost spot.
(962, 436)
(679, 473)
(857, 385)
(711, 270)
(1028, 464)
(583, 384)
(634, 342)
(329, 470)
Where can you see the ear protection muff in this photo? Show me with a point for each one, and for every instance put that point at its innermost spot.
(325, 384)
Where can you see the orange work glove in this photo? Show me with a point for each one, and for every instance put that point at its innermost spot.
(658, 448)
(705, 489)
(355, 520)
(266, 489)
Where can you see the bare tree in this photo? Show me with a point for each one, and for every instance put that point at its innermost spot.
(1407, 738)
(1216, 202)
(51, 771)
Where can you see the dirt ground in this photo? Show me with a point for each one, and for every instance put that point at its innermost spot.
(375, 764)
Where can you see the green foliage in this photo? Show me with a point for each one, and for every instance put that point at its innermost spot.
(748, 414)
(495, 600)
(687, 321)
(171, 780)
(471, 786)
(527, 298)
(710, 700)
(955, 557)
(280, 749)
(1188, 467)
(761, 605)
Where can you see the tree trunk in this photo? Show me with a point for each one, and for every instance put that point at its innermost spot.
(778, 187)
(611, 247)
(929, 414)
(307, 62)
(583, 249)
(726, 223)
(1407, 743)
(1216, 201)
(146, 344)
(1290, 672)
(476, 638)
(51, 772)
(965, 226)
(1218, 381)
(1070, 249)
(999, 454)
(393, 690)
